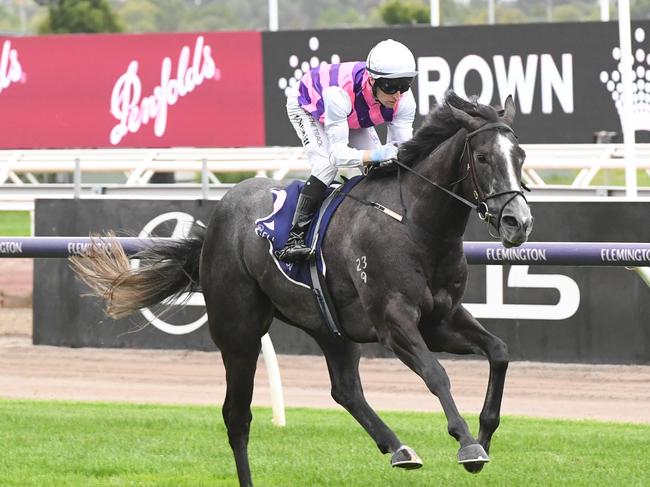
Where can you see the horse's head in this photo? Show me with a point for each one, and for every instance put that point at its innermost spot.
(493, 160)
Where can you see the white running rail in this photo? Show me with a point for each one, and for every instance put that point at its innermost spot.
(587, 159)
(138, 165)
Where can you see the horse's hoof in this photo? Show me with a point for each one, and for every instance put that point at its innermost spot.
(473, 458)
(473, 467)
(405, 457)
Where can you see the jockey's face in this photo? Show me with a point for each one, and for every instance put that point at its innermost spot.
(387, 100)
(389, 91)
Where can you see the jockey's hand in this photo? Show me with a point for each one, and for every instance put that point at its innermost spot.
(383, 155)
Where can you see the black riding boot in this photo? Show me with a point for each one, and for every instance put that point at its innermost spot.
(310, 197)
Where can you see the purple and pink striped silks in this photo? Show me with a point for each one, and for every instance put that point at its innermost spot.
(353, 78)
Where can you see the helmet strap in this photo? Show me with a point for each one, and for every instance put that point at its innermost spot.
(374, 88)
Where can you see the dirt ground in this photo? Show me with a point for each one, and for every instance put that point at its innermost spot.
(603, 392)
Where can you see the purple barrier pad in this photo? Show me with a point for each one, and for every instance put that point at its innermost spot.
(560, 253)
(479, 253)
(61, 247)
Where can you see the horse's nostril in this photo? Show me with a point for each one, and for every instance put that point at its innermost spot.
(510, 221)
(528, 225)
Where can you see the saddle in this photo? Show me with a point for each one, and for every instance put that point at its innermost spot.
(276, 226)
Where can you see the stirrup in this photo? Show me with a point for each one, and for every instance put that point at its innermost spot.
(294, 250)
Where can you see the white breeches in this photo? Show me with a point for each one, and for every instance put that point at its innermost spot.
(314, 139)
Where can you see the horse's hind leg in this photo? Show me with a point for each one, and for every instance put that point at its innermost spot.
(343, 364)
(237, 322)
(240, 373)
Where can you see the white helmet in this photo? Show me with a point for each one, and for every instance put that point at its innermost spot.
(391, 59)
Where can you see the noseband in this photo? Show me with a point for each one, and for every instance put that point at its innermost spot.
(481, 206)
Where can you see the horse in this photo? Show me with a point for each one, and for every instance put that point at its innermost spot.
(399, 283)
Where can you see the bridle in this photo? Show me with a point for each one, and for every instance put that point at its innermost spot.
(481, 198)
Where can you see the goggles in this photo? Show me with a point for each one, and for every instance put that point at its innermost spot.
(390, 86)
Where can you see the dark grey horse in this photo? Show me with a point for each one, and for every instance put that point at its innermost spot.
(397, 283)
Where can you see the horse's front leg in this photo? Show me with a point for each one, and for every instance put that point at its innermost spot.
(343, 364)
(497, 354)
(399, 332)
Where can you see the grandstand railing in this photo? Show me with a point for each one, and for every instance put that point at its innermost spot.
(138, 165)
(588, 159)
(20, 167)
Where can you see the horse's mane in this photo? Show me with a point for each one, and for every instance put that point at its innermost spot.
(439, 125)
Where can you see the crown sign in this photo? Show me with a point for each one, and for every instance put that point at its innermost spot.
(300, 68)
(640, 84)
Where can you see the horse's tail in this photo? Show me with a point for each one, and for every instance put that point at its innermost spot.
(168, 269)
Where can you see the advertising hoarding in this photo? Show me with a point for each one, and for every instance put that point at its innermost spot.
(148, 90)
(565, 77)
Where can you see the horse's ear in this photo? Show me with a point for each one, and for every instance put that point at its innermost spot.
(466, 120)
(453, 99)
(509, 110)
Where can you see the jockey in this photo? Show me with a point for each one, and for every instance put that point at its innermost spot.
(334, 109)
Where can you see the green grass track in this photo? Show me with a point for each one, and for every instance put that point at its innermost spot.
(96, 444)
(15, 224)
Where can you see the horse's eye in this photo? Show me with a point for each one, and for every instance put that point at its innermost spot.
(481, 157)
(522, 155)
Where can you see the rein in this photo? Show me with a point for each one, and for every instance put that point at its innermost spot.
(433, 183)
(481, 206)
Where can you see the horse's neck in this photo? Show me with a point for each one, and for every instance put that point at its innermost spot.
(431, 209)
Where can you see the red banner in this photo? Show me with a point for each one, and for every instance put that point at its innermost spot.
(153, 90)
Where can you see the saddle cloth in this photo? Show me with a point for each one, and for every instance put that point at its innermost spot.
(276, 226)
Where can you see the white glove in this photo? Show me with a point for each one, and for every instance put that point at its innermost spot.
(381, 155)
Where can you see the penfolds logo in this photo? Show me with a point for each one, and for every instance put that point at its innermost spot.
(133, 110)
(10, 69)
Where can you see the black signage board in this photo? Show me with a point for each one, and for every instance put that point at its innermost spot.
(547, 313)
(564, 76)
